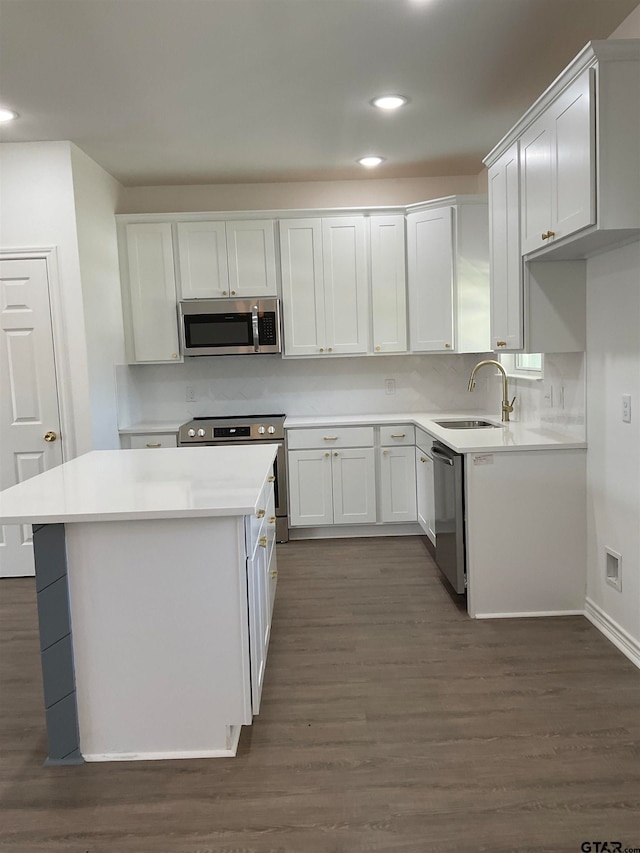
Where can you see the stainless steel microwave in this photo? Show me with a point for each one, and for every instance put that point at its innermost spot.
(230, 326)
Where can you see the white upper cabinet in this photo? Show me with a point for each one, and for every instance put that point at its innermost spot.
(149, 293)
(505, 261)
(324, 285)
(448, 274)
(226, 259)
(579, 156)
(558, 167)
(388, 284)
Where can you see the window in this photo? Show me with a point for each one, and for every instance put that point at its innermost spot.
(524, 365)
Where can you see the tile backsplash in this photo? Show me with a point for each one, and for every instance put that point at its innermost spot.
(263, 384)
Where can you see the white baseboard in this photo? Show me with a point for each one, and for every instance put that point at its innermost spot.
(529, 614)
(620, 638)
(228, 752)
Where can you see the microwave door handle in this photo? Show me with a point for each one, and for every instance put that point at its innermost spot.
(256, 331)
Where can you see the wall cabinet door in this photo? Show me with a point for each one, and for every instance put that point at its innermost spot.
(354, 486)
(505, 264)
(397, 484)
(388, 284)
(558, 167)
(252, 257)
(346, 294)
(150, 293)
(302, 286)
(310, 488)
(426, 508)
(202, 260)
(430, 269)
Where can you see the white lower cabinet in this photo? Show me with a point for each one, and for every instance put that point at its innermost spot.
(425, 493)
(148, 440)
(397, 484)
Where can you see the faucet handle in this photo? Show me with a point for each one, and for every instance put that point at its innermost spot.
(512, 402)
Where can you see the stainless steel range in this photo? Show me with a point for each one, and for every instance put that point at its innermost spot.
(231, 430)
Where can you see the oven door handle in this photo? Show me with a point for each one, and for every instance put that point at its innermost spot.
(256, 330)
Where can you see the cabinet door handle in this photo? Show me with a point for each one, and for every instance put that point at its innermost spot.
(331, 438)
(398, 435)
(548, 235)
(262, 541)
(271, 479)
(423, 459)
(385, 452)
(335, 453)
(327, 454)
(274, 574)
(447, 346)
(272, 519)
(260, 513)
(156, 444)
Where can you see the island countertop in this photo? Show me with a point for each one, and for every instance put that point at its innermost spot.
(120, 485)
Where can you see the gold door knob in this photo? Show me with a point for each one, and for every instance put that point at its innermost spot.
(50, 436)
(501, 343)
(271, 479)
(548, 235)
(262, 541)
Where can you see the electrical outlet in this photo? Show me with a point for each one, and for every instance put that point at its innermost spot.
(561, 397)
(191, 395)
(548, 396)
(626, 408)
(389, 386)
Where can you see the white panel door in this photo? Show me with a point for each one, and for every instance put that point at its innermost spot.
(354, 486)
(202, 260)
(573, 173)
(310, 489)
(388, 284)
(425, 495)
(398, 484)
(252, 258)
(344, 250)
(505, 264)
(302, 286)
(152, 288)
(536, 148)
(431, 279)
(28, 395)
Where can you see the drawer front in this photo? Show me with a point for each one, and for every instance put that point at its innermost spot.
(153, 441)
(423, 440)
(392, 435)
(327, 437)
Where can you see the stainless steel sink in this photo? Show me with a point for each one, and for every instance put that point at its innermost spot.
(468, 425)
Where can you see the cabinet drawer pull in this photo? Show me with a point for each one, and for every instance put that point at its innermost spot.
(262, 541)
(548, 235)
(271, 479)
(398, 435)
(154, 444)
(501, 343)
(331, 438)
(260, 513)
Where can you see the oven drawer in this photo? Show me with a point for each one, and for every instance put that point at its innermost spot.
(314, 437)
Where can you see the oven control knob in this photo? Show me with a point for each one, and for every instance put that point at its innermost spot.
(271, 430)
(201, 433)
(191, 433)
(261, 430)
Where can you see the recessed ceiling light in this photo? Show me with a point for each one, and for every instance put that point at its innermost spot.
(370, 162)
(7, 115)
(390, 102)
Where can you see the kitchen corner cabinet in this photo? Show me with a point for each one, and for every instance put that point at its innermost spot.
(331, 476)
(324, 286)
(579, 156)
(218, 259)
(388, 284)
(448, 276)
(149, 293)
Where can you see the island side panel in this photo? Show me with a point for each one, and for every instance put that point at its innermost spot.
(526, 532)
(159, 611)
(52, 595)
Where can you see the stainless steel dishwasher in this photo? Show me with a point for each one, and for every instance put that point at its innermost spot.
(448, 468)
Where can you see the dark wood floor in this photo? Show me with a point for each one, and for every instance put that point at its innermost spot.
(390, 722)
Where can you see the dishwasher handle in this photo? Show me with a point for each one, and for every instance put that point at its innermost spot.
(440, 456)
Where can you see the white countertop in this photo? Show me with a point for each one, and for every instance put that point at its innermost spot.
(119, 485)
(510, 436)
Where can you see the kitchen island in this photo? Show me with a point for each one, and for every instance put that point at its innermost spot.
(155, 579)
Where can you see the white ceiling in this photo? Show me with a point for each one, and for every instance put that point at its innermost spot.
(221, 91)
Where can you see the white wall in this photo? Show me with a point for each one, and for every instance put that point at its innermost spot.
(37, 211)
(283, 196)
(613, 459)
(268, 384)
(96, 196)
